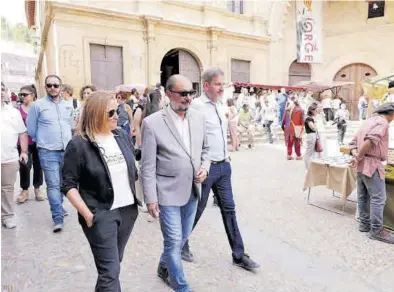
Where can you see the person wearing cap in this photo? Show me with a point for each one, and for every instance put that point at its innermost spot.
(245, 121)
(390, 93)
(369, 148)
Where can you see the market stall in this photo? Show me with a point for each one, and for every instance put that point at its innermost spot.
(318, 87)
(377, 91)
(389, 209)
(334, 173)
(380, 90)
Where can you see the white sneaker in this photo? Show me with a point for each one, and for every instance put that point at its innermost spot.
(9, 223)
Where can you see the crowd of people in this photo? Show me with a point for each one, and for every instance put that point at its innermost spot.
(99, 149)
(87, 149)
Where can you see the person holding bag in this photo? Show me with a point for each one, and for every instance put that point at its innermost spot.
(313, 144)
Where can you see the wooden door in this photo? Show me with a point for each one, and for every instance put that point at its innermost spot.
(189, 67)
(106, 63)
(356, 73)
(299, 72)
(240, 71)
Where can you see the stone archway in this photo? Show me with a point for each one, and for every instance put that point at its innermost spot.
(357, 73)
(180, 61)
(299, 72)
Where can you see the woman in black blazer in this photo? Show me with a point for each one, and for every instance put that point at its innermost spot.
(99, 176)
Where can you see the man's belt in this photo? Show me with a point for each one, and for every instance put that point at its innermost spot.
(221, 161)
(375, 157)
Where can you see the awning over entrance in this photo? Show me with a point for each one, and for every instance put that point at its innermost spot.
(318, 86)
(272, 87)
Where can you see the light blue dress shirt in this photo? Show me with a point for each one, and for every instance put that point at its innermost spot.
(49, 123)
(216, 124)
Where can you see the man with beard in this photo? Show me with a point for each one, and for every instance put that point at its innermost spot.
(174, 164)
(49, 124)
(219, 179)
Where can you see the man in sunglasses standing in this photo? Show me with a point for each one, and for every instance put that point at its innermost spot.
(49, 124)
(174, 164)
(219, 179)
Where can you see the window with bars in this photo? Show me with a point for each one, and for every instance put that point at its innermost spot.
(236, 6)
(376, 9)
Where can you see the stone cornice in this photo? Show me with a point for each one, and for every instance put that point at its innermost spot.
(184, 4)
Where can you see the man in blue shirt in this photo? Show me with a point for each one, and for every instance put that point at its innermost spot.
(49, 124)
(219, 177)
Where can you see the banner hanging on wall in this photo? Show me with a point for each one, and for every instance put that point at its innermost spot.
(309, 15)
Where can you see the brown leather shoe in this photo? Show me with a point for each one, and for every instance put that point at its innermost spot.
(39, 196)
(23, 197)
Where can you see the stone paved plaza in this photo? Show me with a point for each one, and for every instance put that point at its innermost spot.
(300, 247)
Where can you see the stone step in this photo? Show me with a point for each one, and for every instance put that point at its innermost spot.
(330, 132)
(278, 135)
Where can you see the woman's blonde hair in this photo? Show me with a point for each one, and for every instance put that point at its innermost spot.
(94, 117)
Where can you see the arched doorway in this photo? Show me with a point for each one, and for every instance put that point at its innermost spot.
(299, 72)
(179, 61)
(357, 73)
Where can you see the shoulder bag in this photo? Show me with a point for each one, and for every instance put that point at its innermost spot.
(318, 145)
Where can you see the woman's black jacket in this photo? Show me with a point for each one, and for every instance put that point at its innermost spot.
(86, 170)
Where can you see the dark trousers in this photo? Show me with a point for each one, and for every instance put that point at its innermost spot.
(24, 169)
(267, 126)
(341, 133)
(329, 114)
(219, 180)
(108, 237)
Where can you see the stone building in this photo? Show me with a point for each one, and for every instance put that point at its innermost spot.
(113, 42)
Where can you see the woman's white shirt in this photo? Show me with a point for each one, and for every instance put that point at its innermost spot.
(117, 166)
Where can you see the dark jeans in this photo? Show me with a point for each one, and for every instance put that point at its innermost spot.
(371, 199)
(24, 169)
(329, 114)
(219, 180)
(341, 133)
(108, 238)
(52, 163)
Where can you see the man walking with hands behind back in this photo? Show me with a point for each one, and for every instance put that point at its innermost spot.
(219, 179)
(174, 164)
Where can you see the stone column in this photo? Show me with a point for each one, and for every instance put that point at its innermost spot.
(152, 73)
(213, 34)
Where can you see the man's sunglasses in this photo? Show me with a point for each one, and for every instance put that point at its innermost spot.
(111, 113)
(185, 93)
(23, 94)
(49, 85)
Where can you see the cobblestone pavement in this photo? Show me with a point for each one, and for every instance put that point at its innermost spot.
(300, 247)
